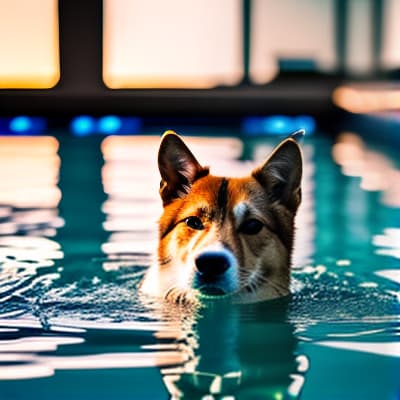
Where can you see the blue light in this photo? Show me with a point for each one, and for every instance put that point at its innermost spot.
(119, 125)
(277, 125)
(23, 125)
(20, 124)
(130, 126)
(109, 124)
(252, 125)
(83, 125)
(305, 122)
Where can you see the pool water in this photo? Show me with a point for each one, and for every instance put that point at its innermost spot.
(78, 230)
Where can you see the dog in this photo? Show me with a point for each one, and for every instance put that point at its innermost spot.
(225, 237)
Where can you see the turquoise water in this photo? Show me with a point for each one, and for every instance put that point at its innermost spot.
(78, 230)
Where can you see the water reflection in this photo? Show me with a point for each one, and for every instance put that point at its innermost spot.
(388, 243)
(130, 180)
(240, 352)
(29, 195)
(224, 350)
(376, 170)
(27, 353)
(29, 172)
(29, 216)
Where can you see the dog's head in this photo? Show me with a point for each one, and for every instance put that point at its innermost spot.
(220, 236)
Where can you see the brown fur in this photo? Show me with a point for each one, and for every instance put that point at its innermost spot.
(271, 195)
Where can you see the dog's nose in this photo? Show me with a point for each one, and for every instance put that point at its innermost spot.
(212, 265)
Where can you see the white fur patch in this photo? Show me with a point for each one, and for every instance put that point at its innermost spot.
(240, 211)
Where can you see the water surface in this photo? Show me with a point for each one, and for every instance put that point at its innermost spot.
(78, 230)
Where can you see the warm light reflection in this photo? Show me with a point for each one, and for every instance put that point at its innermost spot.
(124, 207)
(29, 365)
(127, 246)
(117, 360)
(32, 357)
(42, 366)
(377, 171)
(28, 248)
(388, 244)
(62, 324)
(390, 349)
(25, 145)
(29, 168)
(146, 147)
(130, 179)
(367, 99)
(391, 274)
(29, 197)
(23, 370)
(36, 344)
(171, 47)
(29, 50)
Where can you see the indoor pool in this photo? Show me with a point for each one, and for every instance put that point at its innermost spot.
(78, 230)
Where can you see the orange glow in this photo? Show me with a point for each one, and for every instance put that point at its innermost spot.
(129, 175)
(174, 44)
(27, 145)
(129, 147)
(368, 99)
(146, 147)
(29, 54)
(29, 169)
(120, 207)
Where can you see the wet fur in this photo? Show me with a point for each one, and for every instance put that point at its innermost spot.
(271, 195)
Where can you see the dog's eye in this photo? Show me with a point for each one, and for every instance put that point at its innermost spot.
(251, 226)
(194, 223)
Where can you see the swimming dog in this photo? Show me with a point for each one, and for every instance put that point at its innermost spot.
(225, 236)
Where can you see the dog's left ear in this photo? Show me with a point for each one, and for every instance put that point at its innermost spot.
(178, 168)
(281, 174)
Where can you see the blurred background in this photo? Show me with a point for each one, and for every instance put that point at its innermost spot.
(231, 58)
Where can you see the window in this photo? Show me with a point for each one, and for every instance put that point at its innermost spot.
(174, 43)
(29, 50)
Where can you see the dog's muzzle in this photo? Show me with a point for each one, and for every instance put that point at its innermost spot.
(216, 272)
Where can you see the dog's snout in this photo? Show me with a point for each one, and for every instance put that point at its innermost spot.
(212, 265)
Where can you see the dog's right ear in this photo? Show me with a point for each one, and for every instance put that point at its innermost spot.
(178, 168)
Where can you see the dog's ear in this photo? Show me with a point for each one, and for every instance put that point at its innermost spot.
(178, 168)
(281, 174)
